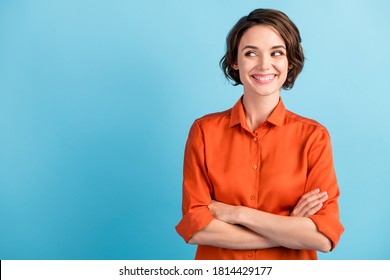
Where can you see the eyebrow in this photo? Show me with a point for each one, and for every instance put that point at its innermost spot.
(256, 48)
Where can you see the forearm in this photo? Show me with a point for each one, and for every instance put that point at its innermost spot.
(225, 235)
(288, 231)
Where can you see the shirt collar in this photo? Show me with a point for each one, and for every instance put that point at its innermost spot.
(238, 114)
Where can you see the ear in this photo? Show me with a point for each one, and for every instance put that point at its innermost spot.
(235, 67)
(290, 66)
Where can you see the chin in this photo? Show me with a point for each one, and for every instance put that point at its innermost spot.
(267, 92)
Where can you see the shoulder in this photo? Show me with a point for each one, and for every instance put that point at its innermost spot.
(308, 128)
(293, 118)
(209, 125)
(213, 119)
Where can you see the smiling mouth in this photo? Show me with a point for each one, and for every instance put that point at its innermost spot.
(264, 79)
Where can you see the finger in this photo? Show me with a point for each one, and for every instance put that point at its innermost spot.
(310, 206)
(313, 192)
(321, 197)
(308, 198)
(312, 195)
(315, 197)
(309, 203)
(213, 205)
(316, 205)
(314, 210)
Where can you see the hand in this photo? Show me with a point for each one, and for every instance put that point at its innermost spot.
(224, 212)
(310, 203)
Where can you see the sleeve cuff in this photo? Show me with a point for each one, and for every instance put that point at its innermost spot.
(330, 227)
(194, 221)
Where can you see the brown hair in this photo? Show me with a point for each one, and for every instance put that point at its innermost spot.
(287, 30)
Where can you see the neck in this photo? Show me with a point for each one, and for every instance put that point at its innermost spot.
(258, 108)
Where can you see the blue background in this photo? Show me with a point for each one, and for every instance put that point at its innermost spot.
(97, 97)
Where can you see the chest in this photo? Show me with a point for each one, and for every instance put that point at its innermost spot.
(265, 171)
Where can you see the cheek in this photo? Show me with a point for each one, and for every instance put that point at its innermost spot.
(244, 74)
(283, 69)
(246, 68)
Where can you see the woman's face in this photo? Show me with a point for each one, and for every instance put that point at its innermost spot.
(262, 61)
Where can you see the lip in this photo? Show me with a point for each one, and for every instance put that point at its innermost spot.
(263, 78)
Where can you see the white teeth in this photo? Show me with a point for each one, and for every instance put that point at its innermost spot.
(264, 78)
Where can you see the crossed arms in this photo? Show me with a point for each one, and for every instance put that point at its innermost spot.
(244, 228)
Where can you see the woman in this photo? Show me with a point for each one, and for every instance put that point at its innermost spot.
(259, 181)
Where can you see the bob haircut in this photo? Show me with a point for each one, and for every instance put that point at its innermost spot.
(287, 30)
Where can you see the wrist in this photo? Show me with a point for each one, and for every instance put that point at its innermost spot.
(238, 215)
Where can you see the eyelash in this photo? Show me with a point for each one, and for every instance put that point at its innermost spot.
(276, 53)
(250, 53)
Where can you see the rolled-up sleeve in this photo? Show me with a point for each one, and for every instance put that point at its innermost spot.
(196, 186)
(321, 174)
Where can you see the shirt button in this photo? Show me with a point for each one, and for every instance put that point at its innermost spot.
(255, 139)
(252, 197)
(254, 166)
(250, 254)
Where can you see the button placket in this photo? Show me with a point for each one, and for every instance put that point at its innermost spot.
(255, 169)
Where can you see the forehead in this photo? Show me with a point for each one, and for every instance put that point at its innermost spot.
(262, 35)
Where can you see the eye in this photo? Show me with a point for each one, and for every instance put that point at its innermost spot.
(250, 53)
(277, 53)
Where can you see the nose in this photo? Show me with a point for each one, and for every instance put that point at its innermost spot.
(264, 62)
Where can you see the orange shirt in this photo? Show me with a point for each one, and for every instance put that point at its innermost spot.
(268, 169)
